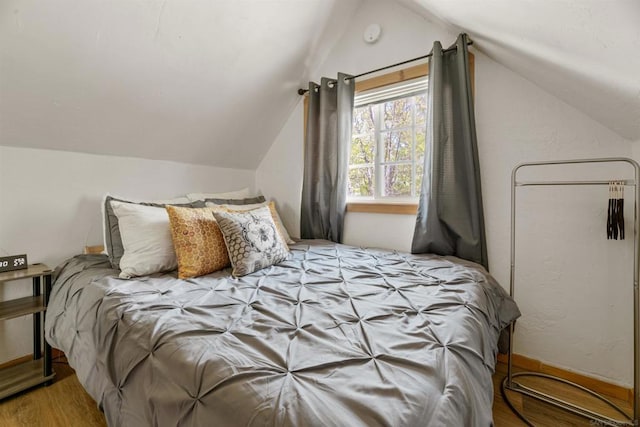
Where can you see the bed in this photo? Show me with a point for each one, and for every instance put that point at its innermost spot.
(334, 336)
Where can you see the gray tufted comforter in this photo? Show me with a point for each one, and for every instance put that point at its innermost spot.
(333, 336)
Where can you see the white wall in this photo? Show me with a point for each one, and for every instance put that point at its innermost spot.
(573, 286)
(580, 318)
(50, 208)
(636, 151)
(280, 172)
(364, 229)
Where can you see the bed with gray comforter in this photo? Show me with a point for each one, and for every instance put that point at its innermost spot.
(333, 336)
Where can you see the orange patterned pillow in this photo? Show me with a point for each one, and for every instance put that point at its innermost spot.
(197, 240)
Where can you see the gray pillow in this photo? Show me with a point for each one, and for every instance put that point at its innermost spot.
(249, 201)
(252, 240)
(112, 238)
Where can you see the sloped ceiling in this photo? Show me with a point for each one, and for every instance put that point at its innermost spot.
(586, 52)
(195, 81)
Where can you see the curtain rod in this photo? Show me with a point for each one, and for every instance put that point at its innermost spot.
(469, 43)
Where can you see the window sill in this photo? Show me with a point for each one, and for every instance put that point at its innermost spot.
(383, 208)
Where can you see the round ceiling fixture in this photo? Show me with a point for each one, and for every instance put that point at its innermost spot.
(372, 33)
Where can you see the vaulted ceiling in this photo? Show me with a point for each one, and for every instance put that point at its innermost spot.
(212, 81)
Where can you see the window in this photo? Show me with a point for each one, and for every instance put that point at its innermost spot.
(360, 198)
(388, 142)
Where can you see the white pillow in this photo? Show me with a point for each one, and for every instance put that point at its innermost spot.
(146, 239)
(240, 194)
(276, 216)
(176, 201)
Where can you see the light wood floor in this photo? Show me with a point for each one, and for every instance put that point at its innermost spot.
(62, 404)
(66, 404)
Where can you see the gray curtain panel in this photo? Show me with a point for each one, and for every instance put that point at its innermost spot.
(326, 158)
(450, 217)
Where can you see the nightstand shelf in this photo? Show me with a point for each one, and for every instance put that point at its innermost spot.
(39, 370)
(22, 376)
(21, 306)
(34, 270)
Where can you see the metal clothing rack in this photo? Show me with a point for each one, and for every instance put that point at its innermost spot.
(509, 382)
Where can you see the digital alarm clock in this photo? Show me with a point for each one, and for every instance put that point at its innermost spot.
(13, 262)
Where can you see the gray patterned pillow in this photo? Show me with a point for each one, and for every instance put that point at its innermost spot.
(252, 240)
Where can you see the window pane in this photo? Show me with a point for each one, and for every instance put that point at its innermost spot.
(419, 175)
(397, 146)
(421, 109)
(420, 143)
(397, 180)
(361, 181)
(362, 149)
(363, 120)
(389, 139)
(397, 113)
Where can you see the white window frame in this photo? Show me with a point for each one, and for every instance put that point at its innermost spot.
(378, 97)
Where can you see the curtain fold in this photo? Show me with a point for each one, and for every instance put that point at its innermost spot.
(450, 219)
(326, 158)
